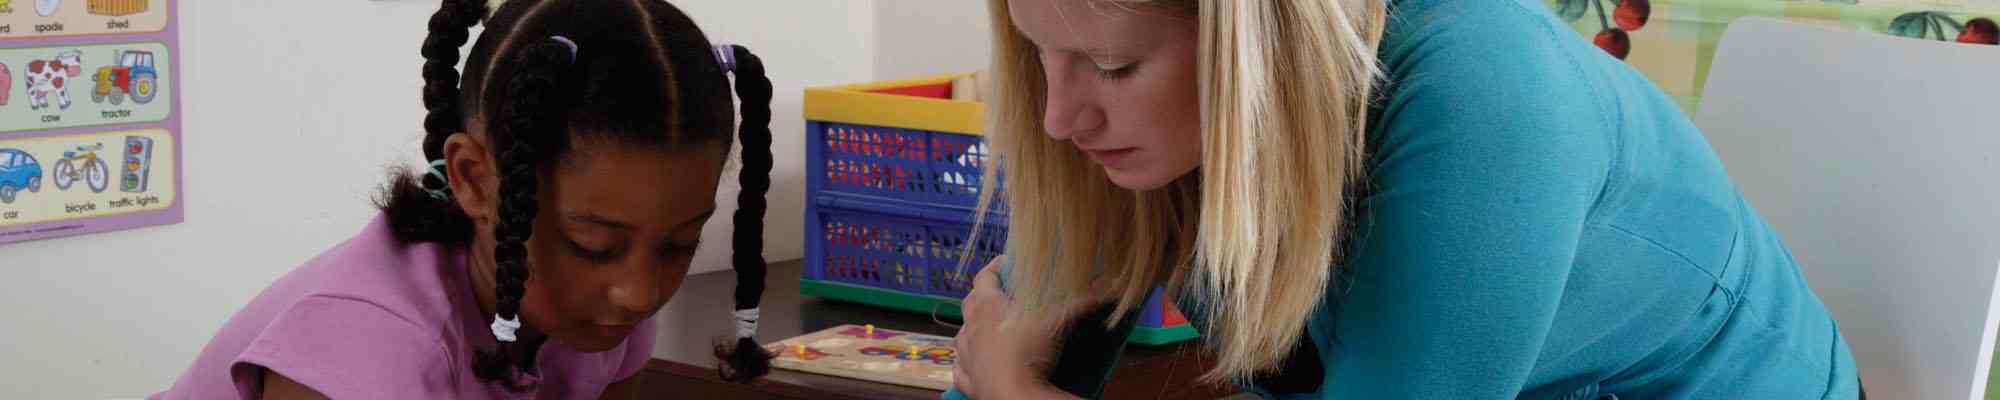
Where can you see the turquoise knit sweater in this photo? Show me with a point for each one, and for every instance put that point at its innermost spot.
(1540, 221)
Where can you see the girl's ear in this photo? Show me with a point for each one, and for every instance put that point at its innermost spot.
(474, 183)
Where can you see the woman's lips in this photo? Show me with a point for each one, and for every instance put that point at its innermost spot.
(1111, 157)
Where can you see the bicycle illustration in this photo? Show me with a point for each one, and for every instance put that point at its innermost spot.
(83, 165)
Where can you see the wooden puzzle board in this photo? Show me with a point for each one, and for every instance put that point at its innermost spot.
(851, 351)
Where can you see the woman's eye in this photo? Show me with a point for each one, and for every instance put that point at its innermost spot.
(1113, 71)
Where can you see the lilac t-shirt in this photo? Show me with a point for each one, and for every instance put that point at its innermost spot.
(376, 319)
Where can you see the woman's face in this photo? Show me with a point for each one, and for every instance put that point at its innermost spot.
(1121, 85)
(617, 229)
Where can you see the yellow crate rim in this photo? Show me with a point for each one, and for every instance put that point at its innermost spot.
(854, 104)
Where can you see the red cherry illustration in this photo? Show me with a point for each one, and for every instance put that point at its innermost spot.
(1632, 14)
(1614, 41)
(1981, 31)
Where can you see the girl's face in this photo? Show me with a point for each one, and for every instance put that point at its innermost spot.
(617, 229)
(1122, 85)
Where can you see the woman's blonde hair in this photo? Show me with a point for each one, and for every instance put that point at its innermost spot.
(1255, 232)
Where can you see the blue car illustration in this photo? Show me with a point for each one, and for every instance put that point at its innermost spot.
(18, 171)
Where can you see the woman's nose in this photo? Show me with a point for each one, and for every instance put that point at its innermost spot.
(1071, 109)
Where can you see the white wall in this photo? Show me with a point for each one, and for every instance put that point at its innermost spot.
(804, 43)
(292, 108)
(916, 38)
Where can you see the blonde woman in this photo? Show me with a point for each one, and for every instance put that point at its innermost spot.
(1367, 200)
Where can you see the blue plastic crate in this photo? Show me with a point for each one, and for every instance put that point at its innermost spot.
(938, 168)
(905, 255)
(890, 203)
(900, 246)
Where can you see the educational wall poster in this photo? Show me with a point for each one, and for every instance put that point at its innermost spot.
(90, 117)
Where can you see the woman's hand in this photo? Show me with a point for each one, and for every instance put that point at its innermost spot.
(1002, 358)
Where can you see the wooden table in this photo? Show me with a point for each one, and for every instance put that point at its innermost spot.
(683, 365)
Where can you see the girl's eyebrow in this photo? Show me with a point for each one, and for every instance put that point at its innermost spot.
(594, 219)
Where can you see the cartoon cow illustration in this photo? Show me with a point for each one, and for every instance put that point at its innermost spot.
(51, 77)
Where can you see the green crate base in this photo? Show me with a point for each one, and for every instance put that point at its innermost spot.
(925, 304)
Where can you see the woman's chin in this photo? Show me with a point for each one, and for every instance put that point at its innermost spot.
(1142, 179)
(1135, 180)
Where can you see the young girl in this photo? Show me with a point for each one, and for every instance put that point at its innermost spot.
(1380, 199)
(571, 172)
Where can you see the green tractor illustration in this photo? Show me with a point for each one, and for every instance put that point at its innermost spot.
(134, 76)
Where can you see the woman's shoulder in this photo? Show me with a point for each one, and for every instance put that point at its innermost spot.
(1486, 46)
(1507, 71)
(1521, 22)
